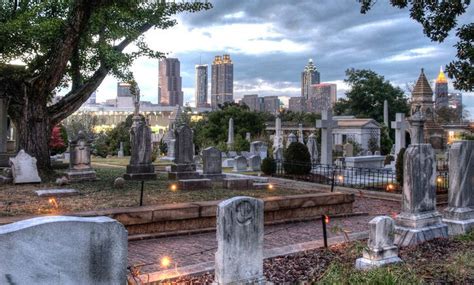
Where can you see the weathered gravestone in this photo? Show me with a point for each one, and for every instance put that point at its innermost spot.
(459, 216)
(80, 168)
(312, 145)
(348, 150)
(254, 162)
(259, 148)
(381, 249)
(212, 163)
(239, 256)
(240, 164)
(24, 168)
(419, 221)
(63, 250)
(183, 167)
(120, 152)
(291, 139)
(230, 134)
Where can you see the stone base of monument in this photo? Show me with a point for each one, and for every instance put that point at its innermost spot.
(414, 229)
(376, 258)
(259, 281)
(237, 183)
(140, 172)
(81, 175)
(194, 184)
(214, 177)
(459, 220)
(183, 171)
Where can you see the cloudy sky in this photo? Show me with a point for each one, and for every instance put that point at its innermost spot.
(270, 41)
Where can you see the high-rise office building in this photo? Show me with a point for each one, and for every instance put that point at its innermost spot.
(123, 89)
(269, 104)
(201, 86)
(309, 76)
(222, 81)
(297, 104)
(169, 83)
(441, 91)
(322, 96)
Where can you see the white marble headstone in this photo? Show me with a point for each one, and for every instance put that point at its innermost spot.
(24, 168)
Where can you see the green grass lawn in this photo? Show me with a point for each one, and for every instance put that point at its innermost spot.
(100, 194)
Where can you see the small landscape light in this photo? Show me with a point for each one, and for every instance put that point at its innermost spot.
(270, 186)
(439, 179)
(53, 202)
(174, 187)
(326, 219)
(340, 178)
(165, 261)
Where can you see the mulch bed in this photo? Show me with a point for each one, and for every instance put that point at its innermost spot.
(437, 262)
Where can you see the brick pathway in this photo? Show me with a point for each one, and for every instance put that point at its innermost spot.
(191, 249)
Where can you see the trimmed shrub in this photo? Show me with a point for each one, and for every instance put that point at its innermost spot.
(268, 166)
(389, 158)
(399, 166)
(297, 159)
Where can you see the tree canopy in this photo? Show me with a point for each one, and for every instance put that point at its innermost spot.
(367, 94)
(73, 45)
(438, 18)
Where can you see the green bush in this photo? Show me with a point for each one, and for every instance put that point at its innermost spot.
(268, 166)
(100, 146)
(399, 166)
(388, 159)
(297, 159)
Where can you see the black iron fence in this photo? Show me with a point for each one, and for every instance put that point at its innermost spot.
(376, 179)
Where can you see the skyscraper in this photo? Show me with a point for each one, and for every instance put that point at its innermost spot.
(322, 97)
(222, 81)
(201, 86)
(309, 76)
(441, 91)
(169, 83)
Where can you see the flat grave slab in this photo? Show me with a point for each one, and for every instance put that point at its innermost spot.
(56, 192)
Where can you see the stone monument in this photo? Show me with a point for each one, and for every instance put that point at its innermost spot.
(240, 164)
(239, 256)
(400, 125)
(259, 148)
(385, 113)
(247, 137)
(419, 221)
(4, 149)
(183, 167)
(120, 152)
(459, 216)
(24, 168)
(348, 150)
(300, 133)
(278, 139)
(254, 163)
(291, 139)
(326, 124)
(63, 250)
(80, 168)
(140, 166)
(312, 145)
(381, 249)
(230, 138)
(212, 163)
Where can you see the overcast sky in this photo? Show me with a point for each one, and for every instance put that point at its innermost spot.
(270, 42)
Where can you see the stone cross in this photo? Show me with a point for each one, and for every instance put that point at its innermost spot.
(326, 124)
(312, 148)
(63, 250)
(230, 139)
(419, 221)
(3, 126)
(400, 125)
(300, 133)
(459, 216)
(239, 256)
(385, 113)
(291, 139)
(381, 249)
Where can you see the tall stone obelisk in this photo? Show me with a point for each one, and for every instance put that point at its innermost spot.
(230, 136)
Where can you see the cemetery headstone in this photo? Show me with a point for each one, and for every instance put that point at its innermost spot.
(300, 133)
(326, 124)
(419, 221)
(230, 139)
(247, 137)
(24, 169)
(212, 161)
(239, 256)
(348, 150)
(240, 164)
(140, 166)
(120, 152)
(254, 162)
(381, 249)
(291, 139)
(312, 145)
(459, 216)
(232, 154)
(259, 148)
(183, 167)
(80, 168)
(63, 250)
(278, 138)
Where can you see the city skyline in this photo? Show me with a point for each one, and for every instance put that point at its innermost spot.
(269, 52)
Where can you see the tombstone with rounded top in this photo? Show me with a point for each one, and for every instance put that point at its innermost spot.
(24, 169)
(240, 164)
(80, 168)
(212, 161)
(381, 249)
(239, 256)
(254, 162)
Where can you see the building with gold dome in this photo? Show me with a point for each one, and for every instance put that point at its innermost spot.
(441, 91)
